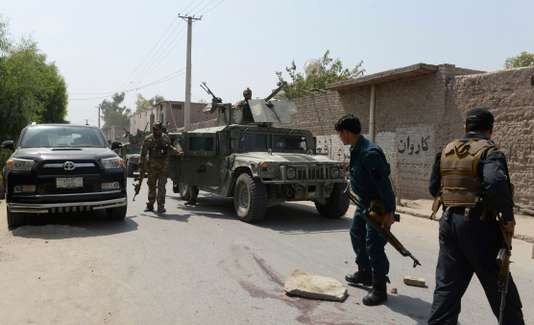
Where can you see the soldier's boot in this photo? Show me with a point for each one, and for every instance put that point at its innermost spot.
(362, 276)
(161, 209)
(149, 207)
(378, 294)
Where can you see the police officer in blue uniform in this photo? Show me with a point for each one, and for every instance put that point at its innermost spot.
(369, 178)
(470, 178)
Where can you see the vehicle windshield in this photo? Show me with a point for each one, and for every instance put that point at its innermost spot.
(293, 143)
(62, 136)
(133, 148)
(276, 142)
(253, 142)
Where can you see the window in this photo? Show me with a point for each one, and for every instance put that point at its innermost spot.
(253, 142)
(62, 136)
(289, 143)
(201, 144)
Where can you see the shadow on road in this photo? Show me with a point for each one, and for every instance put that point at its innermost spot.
(169, 216)
(73, 226)
(415, 308)
(290, 218)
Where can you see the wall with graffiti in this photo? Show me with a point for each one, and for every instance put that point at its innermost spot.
(415, 152)
(409, 151)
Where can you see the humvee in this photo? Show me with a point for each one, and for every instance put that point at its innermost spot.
(257, 164)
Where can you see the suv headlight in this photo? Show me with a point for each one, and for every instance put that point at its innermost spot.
(335, 172)
(112, 163)
(19, 164)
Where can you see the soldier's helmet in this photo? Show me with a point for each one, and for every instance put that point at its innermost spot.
(247, 93)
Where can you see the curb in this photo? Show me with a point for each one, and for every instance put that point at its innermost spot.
(526, 238)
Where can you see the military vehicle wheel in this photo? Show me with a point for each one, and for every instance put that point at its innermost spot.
(336, 205)
(249, 198)
(15, 220)
(187, 192)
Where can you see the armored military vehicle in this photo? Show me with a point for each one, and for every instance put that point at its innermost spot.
(130, 151)
(257, 164)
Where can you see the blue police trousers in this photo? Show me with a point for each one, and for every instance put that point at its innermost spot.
(368, 245)
(469, 246)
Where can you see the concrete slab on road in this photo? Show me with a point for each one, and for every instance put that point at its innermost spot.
(199, 265)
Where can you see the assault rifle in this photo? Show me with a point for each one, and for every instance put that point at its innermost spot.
(373, 218)
(503, 260)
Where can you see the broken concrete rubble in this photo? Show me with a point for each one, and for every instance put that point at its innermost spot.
(313, 286)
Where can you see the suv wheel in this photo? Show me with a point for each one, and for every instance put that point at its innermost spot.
(336, 205)
(118, 213)
(249, 198)
(15, 220)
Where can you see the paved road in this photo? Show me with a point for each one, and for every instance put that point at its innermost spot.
(199, 265)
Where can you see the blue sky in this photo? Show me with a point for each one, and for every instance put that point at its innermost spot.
(105, 46)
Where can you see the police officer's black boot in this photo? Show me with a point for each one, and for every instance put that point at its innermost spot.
(362, 277)
(378, 294)
(161, 209)
(149, 207)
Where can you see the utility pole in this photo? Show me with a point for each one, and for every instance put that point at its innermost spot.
(99, 116)
(187, 108)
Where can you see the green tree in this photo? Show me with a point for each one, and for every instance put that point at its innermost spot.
(30, 88)
(319, 74)
(524, 59)
(142, 104)
(114, 113)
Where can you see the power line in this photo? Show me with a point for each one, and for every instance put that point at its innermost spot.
(209, 6)
(161, 50)
(163, 79)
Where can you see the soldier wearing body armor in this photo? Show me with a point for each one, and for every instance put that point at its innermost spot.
(245, 107)
(470, 178)
(154, 154)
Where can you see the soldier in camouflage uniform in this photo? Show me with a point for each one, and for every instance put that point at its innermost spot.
(157, 147)
(245, 107)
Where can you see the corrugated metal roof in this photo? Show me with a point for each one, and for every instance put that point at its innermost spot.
(384, 76)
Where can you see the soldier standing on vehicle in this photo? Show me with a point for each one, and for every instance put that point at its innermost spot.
(245, 107)
(154, 156)
(470, 178)
(369, 178)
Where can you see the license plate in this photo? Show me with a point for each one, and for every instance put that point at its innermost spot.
(71, 182)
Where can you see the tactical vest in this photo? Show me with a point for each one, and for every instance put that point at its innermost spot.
(461, 185)
(158, 149)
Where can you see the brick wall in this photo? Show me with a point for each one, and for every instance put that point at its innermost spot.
(510, 96)
(317, 112)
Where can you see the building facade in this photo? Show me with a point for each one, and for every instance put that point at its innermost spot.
(411, 112)
(170, 113)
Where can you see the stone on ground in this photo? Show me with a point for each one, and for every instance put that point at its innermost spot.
(415, 282)
(313, 286)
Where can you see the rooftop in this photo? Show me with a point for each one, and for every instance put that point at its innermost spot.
(384, 76)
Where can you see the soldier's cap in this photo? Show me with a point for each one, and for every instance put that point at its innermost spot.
(157, 126)
(247, 91)
(479, 118)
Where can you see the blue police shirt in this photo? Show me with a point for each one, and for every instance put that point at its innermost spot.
(369, 174)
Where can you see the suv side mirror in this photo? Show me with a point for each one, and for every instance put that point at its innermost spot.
(116, 145)
(8, 144)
